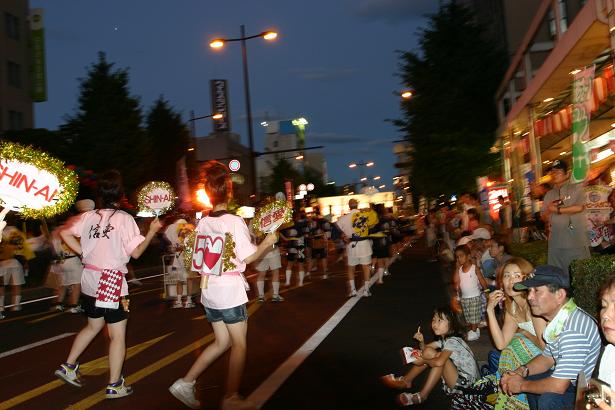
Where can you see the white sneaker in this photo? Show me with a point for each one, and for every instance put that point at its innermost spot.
(386, 272)
(76, 309)
(178, 304)
(473, 335)
(352, 294)
(118, 390)
(184, 392)
(189, 304)
(366, 293)
(69, 375)
(237, 403)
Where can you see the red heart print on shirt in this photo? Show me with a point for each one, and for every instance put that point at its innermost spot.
(213, 251)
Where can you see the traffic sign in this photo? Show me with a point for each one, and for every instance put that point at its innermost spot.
(234, 165)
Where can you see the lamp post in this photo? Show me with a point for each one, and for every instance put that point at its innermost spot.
(361, 165)
(219, 43)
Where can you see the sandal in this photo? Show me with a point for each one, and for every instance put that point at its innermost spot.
(409, 399)
(394, 382)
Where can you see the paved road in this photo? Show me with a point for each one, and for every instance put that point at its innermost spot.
(342, 373)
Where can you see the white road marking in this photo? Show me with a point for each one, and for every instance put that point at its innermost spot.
(279, 376)
(35, 344)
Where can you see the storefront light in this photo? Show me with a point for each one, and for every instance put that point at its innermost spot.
(602, 155)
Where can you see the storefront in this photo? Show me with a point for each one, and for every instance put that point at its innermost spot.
(535, 99)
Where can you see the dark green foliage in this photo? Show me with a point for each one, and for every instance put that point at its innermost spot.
(283, 170)
(451, 118)
(587, 277)
(534, 252)
(106, 129)
(169, 138)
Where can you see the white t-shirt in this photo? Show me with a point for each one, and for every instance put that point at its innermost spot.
(606, 372)
(108, 237)
(227, 290)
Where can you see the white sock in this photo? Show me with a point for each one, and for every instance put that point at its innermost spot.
(260, 284)
(301, 276)
(188, 299)
(352, 287)
(380, 274)
(289, 273)
(17, 299)
(276, 288)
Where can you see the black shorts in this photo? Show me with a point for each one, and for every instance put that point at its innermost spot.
(291, 257)
(88, 304)
(319, 253)
(380, 252)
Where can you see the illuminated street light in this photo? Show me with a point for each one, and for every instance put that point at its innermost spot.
(382, 186)
(363, 179)
(376, 178)
(299, 157)
(219, 43)
(353, 165)
(406, 95)
(370, 164)
(217, 116)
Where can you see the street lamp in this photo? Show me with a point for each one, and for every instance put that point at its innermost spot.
(406, 94)
(353, 165)
(215, 116)
(219, 43)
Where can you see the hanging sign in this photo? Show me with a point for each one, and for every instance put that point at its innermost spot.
(34, 183)
(581, 109)
(156, 198)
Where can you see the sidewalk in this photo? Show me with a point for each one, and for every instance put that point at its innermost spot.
(344, 371)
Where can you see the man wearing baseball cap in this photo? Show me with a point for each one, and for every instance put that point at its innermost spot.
(564, 209)
(572, 343)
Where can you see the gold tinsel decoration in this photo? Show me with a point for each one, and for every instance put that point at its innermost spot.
(264, 210)
(229, 253)
(69, 183)
(188, 248)
(149, 187)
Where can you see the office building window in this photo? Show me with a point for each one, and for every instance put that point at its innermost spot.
(11, 25)
(13, 74)
(15, 120)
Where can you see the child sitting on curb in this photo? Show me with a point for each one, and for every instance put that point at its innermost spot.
(448, 358)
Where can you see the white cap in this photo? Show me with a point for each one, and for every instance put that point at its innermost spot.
(481, 233)
(464, 240)
(85, 205)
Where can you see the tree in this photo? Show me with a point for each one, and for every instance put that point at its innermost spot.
(451, 118)
(282, 170)
(169, 138)
(106, 129)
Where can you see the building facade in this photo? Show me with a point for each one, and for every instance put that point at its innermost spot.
(535, 97)
(16, 110)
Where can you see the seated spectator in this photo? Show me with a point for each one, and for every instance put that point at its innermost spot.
(606, 372)
(572, 343)
(448, 358)
(498, 250)
(519, 338)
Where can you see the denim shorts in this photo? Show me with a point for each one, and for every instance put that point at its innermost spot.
(229, 316)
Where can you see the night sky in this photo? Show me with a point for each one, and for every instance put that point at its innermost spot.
(334, 63)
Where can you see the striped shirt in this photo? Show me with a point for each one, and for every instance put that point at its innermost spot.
(577, 347)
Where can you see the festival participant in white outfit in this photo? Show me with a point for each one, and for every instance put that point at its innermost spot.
(221, 252)
(14, 254)
(67, 263)
(355, 227)
(270, 261)
(174, 235)
(106, 239)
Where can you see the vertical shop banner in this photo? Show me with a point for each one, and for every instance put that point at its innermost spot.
(220, 104)
(39, 77)
(581, 109)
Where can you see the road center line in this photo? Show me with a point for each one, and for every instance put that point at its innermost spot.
(279, 376)
(35, 344)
